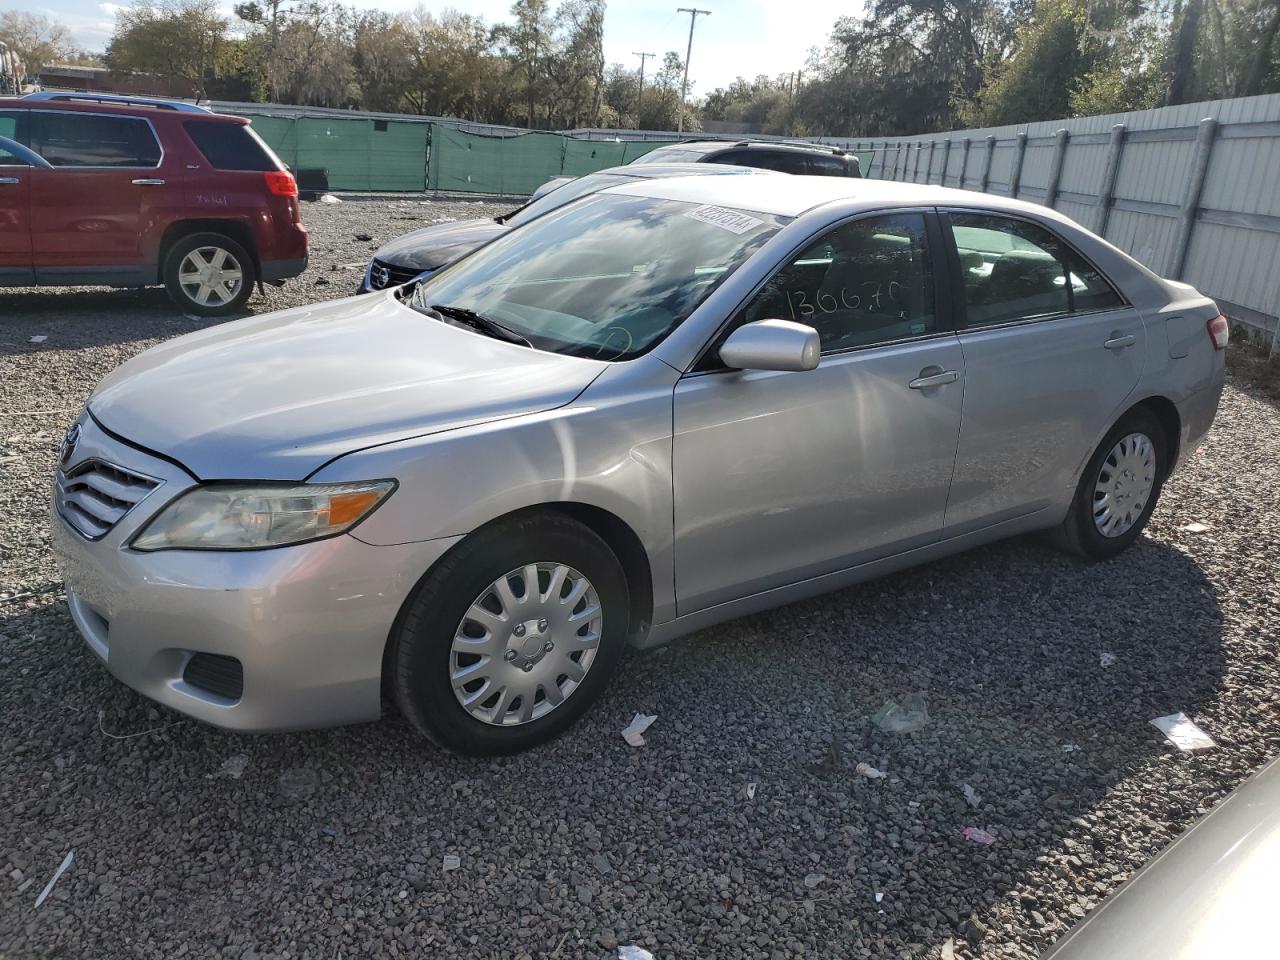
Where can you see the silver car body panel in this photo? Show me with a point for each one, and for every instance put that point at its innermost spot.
(743, 489)
(323, 383)
(1209, 895)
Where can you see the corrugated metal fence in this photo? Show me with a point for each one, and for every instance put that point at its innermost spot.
(1192, 191)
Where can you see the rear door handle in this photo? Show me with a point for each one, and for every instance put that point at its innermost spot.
(925, 381)
(1119, 343)
(149, 183)
(9, 180)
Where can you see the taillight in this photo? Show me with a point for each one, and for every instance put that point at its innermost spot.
(1219, 332)
(281, 183)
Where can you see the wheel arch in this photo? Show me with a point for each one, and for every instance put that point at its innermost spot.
(618, 536)
(237, 230)
(1166, 412)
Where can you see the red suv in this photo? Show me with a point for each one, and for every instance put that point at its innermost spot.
(130, 192)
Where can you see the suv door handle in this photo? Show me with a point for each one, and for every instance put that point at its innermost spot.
(9, 180)
(927, 379)
(149, 183)
(1118, 342)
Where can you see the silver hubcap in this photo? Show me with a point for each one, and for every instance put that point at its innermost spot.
(210, 276)
(526, 643)
(1124, 485)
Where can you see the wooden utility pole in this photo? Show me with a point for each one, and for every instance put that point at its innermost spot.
(684, 87)
(640, 96)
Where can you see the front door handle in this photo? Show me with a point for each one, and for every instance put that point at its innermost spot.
(148, 183)
(1118, 342)
(9, 180)
(927, 379)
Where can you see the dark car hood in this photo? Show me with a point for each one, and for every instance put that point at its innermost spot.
(434, 247)
(275, 397)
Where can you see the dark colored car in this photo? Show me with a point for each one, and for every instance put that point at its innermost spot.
(805, 159)
(433, 248)
(135, 192)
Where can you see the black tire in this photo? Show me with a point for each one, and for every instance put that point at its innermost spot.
(184, 298)
(1079, 534)
(420, 661)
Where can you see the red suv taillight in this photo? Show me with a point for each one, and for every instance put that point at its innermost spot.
(281, 183)
(1219, 332)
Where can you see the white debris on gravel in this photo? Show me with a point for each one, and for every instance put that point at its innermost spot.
(867, 770)
(233, 767)
(62, 868)
(1183, 733)
(633, 732)
(998, 635)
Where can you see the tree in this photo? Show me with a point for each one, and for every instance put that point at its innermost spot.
(38, 41)
(177, 39)
(527, 42)
(382, 55)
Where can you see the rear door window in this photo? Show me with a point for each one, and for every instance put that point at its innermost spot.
(230, 146)
(13, 126)
(1014, 270)
(827, 166)
(94, 140)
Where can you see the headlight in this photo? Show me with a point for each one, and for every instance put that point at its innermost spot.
(244, 517)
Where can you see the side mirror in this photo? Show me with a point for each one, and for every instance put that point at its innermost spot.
(772, 345)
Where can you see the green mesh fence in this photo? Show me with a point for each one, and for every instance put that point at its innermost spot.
(412, 156)
(467, 162)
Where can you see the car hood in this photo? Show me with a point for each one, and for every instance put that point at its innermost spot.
(434, 247)
(275, 397)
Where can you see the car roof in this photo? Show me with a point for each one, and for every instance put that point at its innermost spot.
(652, 171)
(784, 146)
(792, 195)
(149, 107)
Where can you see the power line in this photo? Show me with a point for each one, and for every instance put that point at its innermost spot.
(640, 96)
(684, 87)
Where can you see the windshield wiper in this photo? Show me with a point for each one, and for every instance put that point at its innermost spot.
(482, 323)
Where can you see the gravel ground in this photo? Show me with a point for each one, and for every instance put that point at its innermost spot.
(331, 844)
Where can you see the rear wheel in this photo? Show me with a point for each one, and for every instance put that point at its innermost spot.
(209, 274)
(512, 637)
(1119, 489)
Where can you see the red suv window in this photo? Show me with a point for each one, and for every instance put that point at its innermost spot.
(94, 140)
(230, 146)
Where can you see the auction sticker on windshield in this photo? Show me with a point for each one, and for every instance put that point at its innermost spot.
(732, 220)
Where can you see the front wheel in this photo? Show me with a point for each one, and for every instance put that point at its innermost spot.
(209, 274)
(512, 637)
(1119, 489)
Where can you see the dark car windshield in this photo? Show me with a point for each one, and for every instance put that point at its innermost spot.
(607, 277)
(670, 155)
(560, 196)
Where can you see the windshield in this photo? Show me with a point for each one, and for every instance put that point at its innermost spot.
(607, 277)
(670, 155)
(560, 196)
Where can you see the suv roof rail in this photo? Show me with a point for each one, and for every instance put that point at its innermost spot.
(109, 98)
(807, 144)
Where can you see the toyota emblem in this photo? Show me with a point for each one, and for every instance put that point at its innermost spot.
(68, 446)
(380, 276)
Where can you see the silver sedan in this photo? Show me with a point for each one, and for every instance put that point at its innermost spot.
(662, 406)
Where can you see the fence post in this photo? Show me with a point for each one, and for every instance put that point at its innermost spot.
(1015, 171)
(946, 159)
(1191, 199)
(986, 163)
(1055, 168)
(915, 169)
(964, 162)
(928, 172)
(1107, 194)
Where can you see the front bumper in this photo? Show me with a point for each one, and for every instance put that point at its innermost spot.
(308, 623)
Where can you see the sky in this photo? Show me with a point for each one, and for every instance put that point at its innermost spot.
(739, 38)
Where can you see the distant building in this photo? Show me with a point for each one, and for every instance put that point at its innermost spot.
(102, 80)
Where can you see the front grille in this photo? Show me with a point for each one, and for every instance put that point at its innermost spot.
(395, 274)
(94, 495)
(223, 676)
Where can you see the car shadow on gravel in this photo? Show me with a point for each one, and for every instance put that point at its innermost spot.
(1005, 641)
